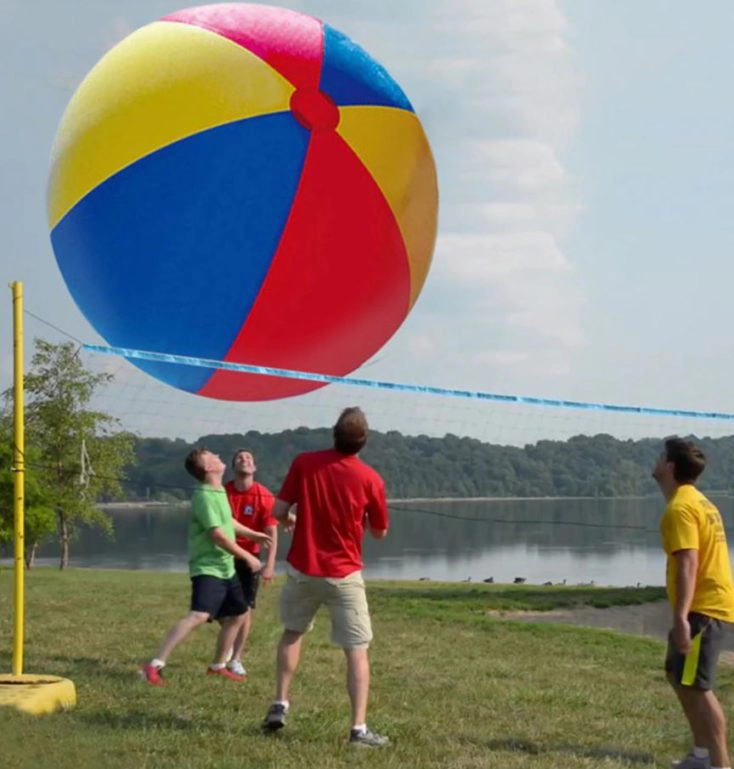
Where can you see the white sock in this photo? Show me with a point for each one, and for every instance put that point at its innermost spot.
(700, 752)
(156, 663)
(217, 665)
(361, 728)
(284, 703)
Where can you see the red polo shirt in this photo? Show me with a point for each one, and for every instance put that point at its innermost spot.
(252, 508)
(337, 496)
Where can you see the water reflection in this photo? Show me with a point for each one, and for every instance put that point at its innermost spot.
(607, 541)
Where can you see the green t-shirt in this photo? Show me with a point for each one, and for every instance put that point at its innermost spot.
(210, 510)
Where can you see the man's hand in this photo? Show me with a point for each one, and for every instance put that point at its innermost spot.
(289, 522)
(685, 587)
(266, 575)
(682, 635)
(262, 538)
(255, 564)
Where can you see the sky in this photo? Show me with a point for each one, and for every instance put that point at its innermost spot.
(584, 153)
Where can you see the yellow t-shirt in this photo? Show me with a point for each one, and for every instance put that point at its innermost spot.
(692, 522)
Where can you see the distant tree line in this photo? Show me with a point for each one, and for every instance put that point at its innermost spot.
(422, 466)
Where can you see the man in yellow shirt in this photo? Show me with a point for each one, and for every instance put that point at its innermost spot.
(701, 594)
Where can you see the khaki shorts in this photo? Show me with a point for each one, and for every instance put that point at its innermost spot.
(345, 599)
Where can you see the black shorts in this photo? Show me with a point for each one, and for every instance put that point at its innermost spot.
(697, 669)
(250, 582)
(217, 597)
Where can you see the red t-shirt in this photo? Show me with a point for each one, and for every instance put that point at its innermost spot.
(337, 495)
(252, 508)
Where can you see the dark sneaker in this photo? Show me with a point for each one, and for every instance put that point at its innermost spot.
(367, 739)
(275, 718)
(691, 762)
(224, 673)
(152, 675)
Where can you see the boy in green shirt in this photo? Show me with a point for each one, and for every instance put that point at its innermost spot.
(215, 590)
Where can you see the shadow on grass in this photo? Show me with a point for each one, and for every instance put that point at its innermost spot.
(513, 744)
(90, 667)
(141, 719)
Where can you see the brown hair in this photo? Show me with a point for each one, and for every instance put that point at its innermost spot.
(240, 451)
(688, 460)
(194, 464)
(350, 431)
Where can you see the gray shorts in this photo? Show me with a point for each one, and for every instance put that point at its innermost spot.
(345, 598)
(697, 669)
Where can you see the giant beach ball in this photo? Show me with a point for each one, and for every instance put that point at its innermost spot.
(242, 183)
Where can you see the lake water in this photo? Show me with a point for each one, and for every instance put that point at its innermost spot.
(607, 541)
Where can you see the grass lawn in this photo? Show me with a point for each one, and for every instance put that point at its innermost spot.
(454, 686)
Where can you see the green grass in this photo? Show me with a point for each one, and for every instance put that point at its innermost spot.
(429, 598)
(453, 686)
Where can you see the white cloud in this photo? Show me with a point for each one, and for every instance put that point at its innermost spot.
(488, 259)
(520, 165)
(508, 202)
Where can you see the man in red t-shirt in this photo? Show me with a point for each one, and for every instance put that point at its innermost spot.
(252, 506)
(337, 497)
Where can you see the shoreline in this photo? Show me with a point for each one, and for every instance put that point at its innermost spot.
(50, 563)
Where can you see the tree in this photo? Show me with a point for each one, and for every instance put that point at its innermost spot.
(79, 453)
(39, 516)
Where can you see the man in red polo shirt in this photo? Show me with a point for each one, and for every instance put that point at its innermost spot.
(337, 497)
(252, 505)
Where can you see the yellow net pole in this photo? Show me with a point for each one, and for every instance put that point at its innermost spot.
(28, 693)
(19, 477)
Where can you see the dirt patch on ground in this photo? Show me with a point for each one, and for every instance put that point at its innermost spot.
(647, 619)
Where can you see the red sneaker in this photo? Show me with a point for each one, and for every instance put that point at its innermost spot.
(225, 673)
(152, 675)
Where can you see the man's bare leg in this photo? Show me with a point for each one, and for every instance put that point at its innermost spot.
(707, 721)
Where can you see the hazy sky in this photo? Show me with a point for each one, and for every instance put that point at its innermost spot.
(585, 159)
